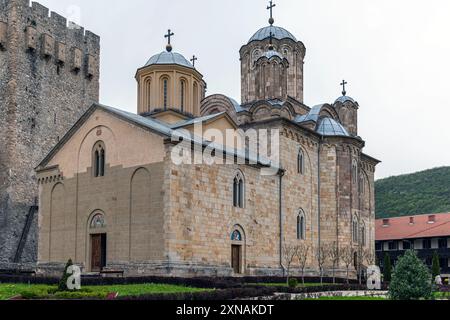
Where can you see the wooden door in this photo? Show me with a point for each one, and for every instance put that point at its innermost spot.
(96, 253)
(236, 259)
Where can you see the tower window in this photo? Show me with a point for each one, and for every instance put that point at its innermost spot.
(301, 162)
(165, 88)
(301, 226)
(182, 94)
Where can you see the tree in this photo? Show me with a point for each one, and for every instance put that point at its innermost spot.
(302, 258)
(348, 256)
(387, 268)
(411, 279)
(322, 256)
(63, 282)
(334, 255)
(289, 254)
(436, 268)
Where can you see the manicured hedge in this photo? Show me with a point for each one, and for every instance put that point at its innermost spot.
(241, 293)
(202, 282)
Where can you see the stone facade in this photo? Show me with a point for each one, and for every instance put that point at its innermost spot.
(49, 76)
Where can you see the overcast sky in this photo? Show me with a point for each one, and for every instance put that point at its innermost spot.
(394, 54)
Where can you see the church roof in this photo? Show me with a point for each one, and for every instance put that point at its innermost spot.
(166, 58)
(330, 127)
(277, 32)
(344, 99)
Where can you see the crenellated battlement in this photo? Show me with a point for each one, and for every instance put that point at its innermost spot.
(49, 76)
(49, 22)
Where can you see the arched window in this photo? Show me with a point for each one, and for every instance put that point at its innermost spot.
(165, 91)
(196, 101)
(362, 185)
(238, 191)
(182, 94)
(301, 225)
(355, 172)
(363, 235)
(99, 159)
(301, 162)
(355, 229)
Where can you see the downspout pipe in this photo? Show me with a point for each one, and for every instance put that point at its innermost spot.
(281, 174)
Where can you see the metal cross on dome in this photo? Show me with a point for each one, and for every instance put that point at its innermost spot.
(344, 93)
(194, 58)
(270, 7)
(168, 36)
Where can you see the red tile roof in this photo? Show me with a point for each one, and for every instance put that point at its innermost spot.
(402, 228)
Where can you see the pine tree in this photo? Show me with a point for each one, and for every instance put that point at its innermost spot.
(435, 268)
(411, 279)
(387, 270)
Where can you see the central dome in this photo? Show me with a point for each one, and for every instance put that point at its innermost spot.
(165, 58)
(277, 32)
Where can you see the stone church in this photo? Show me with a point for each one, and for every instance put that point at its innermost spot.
(111, 197)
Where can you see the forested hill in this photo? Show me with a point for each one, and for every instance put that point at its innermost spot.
(417, 193)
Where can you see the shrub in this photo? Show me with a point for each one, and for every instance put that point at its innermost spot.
(63, 282)
(411, 279)
(435, 268)
(387, 270)
(293, 283)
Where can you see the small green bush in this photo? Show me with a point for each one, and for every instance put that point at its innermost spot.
(293, 283)
(411, 279)
(63, 282)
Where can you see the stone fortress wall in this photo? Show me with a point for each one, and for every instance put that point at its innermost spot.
(49, 76)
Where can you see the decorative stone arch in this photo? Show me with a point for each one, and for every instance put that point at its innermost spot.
(238, 241)
(146, 93)
(355, 228)
(218, 103)
(183, 93)
(327, 110)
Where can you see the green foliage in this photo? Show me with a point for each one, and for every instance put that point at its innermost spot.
(387, 270)
(63, 282)
(418, 193)
(293, 283)
(411, 279)
(435, 268)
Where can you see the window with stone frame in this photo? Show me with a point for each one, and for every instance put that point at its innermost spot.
(355, 229)
(99, 159)
(301, 225)
(301, 162)
(355, 172)
(238, 190)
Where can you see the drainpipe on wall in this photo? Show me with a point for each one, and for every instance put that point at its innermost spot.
(281, 173)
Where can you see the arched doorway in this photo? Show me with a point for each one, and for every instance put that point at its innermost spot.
(237, 250)
(98, 242)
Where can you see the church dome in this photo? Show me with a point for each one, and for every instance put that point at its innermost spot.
(277, 32)
(330, 127)
(344, 99)
(166, 58)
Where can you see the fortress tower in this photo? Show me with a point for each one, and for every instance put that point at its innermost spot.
(49, 76)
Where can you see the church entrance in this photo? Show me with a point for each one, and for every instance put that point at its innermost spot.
(236, 258)
(98, 252)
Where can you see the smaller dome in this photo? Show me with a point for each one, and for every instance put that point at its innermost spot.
(330, 127)
(165, 58)
(344, 99)
(277, 32)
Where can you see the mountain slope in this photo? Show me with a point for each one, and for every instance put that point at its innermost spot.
(417, 193)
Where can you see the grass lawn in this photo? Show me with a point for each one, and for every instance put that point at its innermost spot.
(35, 291)
(300, 285)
